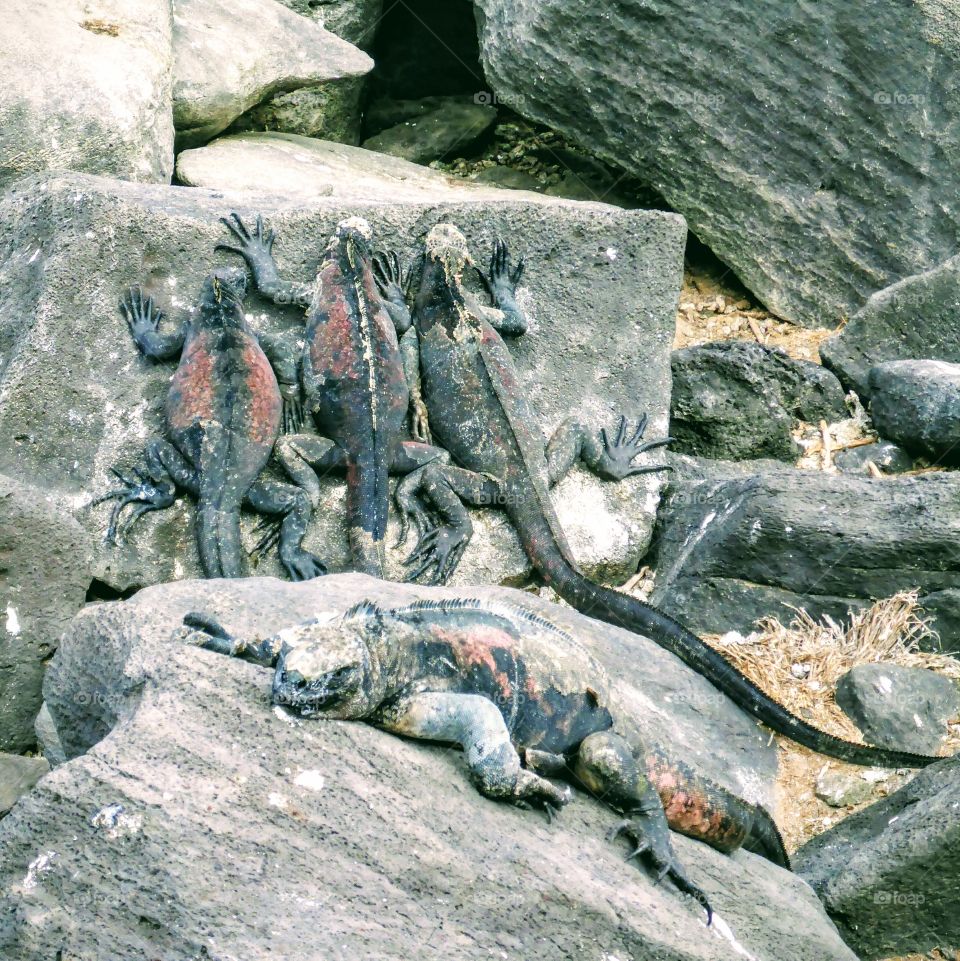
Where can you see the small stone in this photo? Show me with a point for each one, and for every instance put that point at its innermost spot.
(842, 789)
(889, 457)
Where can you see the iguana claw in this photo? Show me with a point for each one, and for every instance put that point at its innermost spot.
(652, 840)
(145, 493)
(621, 452)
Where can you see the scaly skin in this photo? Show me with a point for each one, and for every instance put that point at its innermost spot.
(352, 376)
(479, 412)
(521, 696)
(223, 418)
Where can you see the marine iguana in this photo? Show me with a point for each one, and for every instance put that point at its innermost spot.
(223, 417)
(480, 414)
(353, 372)
(522, 698)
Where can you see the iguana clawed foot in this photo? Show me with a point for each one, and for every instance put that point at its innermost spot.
(301, 565)
(254, 247)
(140, 313)
(621, 452)
(440, 547)
(142, 490)
(651, 840)
(502, 280)
(389, 277)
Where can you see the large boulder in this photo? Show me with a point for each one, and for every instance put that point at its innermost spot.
(45, 571)
(331, 111)
(917, 404)
(889, 875)
(86, 87)
(18, 774)
(906, 708)
(739, 400)
(730, 551)
(76, 397)
(335, 840)
(916, 317)
(310, 168)
(229, 57)
(811, 147)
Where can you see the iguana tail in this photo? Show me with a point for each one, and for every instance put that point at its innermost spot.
(624, 611)
(702, 809)
(218, 539)
(368, 501)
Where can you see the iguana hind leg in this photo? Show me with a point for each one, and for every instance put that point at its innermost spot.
(611, 460)
(476, 724)
(151, 489)
(442, 542)
(608, 767)
(292, 504)
(205, 631)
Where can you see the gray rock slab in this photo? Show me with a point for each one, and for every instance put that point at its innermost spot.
(308, 167)
(440, 134)
(811, 147)
(86, 87)
(899, 707)
(226, 58)
(45, 570)
(917, 404)
(334, 840)
(18, 775)
(889, 875)
(918, 316)
(728, 552)
(738, 400)
(76, 398)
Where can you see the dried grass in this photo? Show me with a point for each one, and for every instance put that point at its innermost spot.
(799, 665)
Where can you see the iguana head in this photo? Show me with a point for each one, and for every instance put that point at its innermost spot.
(353, 235)
(329, 674)
(447, 245)
(222, 296)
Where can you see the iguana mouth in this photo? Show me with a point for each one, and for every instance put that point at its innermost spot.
(309, 697)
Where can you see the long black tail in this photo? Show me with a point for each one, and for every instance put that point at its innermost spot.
(628, 612)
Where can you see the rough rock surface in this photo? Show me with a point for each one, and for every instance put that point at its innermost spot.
(437, 135)
(944, 608)
(916, 317)
(44, 576)
(330, 111)
(69, 98)
(889, 875)
(738, 400)
(18, 775)
(260, 47)
(917, 404)
(77, 398)
(842, 788)
(889, 458)
(305, 167)
(727, 552)
(899, 707)
(807, 145)
(334, 840)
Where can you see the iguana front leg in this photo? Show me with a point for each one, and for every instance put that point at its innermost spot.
(143, 318)
(501, 283)
(205, 631)
(611, 460)
(389, 279)
(476, 724)
(607, 766)
(256, 248)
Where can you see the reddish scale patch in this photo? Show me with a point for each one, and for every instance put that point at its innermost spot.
(192, 395)
(689, 810)
(265, 401)
(506, 372)
(475, 648)
(332, 344)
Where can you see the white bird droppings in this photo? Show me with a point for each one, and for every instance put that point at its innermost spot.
(13, 621)
(312, 780)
